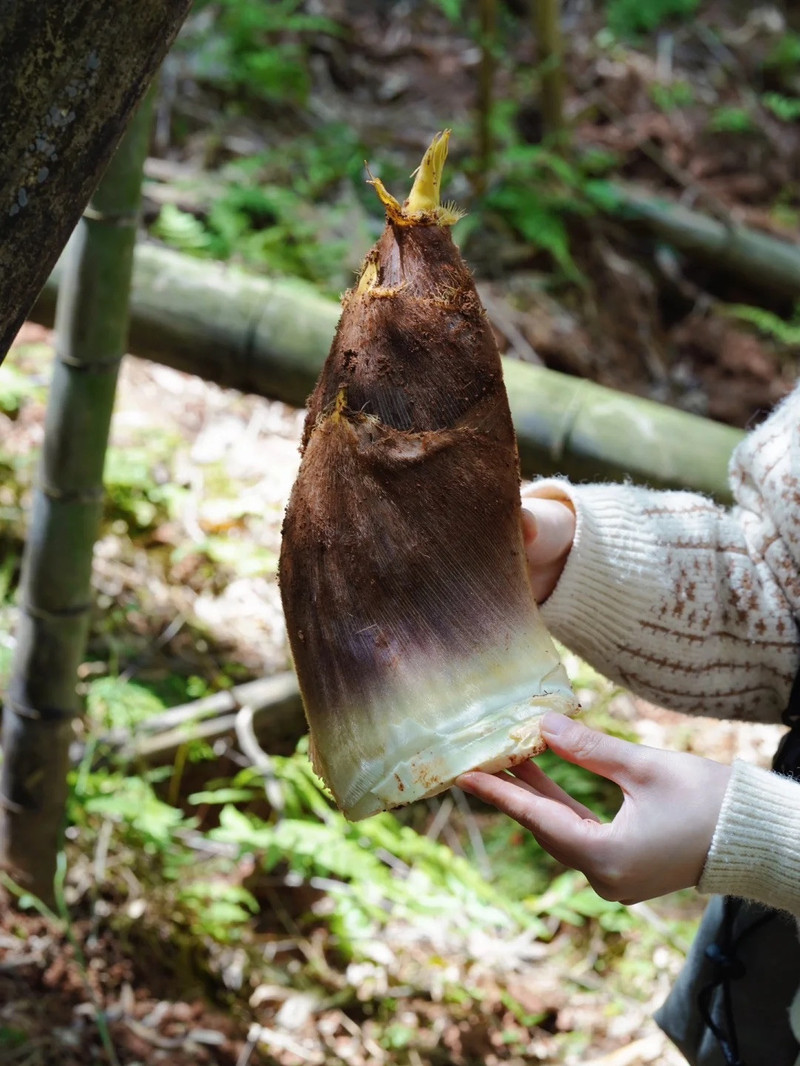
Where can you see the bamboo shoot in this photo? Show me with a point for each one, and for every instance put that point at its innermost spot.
(417, 642)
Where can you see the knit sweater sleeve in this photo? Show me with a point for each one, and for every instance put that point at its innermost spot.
(754, 853)
(685, 603)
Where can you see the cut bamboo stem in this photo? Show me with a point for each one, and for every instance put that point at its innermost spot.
(271, 337)
(55, 587)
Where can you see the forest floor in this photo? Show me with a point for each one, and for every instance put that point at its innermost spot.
(185, 582)
(700, 114)
(583, 994)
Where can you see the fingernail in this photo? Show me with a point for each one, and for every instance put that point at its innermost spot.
(529, 526)
(553, 725)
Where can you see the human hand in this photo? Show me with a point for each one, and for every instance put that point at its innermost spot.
(659, 839)
(548, 527)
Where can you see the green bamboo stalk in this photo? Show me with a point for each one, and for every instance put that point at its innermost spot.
(270, 337)
(547, 25)
(71, 76)
(55, 587)
(485, 92)
(764, 261)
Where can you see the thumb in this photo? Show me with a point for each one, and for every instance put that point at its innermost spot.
(612, 758)
(548, 527)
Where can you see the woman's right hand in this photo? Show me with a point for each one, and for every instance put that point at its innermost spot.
(548, 528)
(659, 839)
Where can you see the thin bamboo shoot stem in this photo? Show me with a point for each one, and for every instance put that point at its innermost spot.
(551, 66)
(55, 594)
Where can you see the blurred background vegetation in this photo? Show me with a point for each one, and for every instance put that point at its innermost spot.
(231, 896)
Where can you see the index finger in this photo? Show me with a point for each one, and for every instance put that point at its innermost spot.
(561, 831)
(617, 760)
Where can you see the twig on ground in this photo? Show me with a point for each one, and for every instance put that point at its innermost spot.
(473, 832)
(258, 758)
(443, 805)
(504, 320)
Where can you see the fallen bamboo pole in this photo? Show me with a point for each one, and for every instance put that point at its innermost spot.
(764, 261)
(270, 337)
(278, 721)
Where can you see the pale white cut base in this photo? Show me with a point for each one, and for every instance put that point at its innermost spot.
(492, 738)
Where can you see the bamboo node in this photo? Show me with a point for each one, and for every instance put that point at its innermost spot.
(94, 366)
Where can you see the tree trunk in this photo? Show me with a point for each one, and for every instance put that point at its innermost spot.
(55, 588)
(72, 73)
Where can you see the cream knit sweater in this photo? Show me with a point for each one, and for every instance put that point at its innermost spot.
(694, 608)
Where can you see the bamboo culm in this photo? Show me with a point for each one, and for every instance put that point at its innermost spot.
(547, 27)
(55, 587)
(764, 261)
(270, 337)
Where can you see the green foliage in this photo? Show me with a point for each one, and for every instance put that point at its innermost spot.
(629, 18)
(285, 212)
(139, 491)
(238, 552)
(453, 9)
(12, 1039)
(257, 48)
(731, 120)
(183, 231)
(14, 388)
(784, 55)
(271, 226)
(375, 872)
(786, 108)
(114, 703)
(130, 803)
(218, 908)
(771, 325)
(672, 96)
(538, 191)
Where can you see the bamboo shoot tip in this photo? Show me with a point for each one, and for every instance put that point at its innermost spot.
(423, 206)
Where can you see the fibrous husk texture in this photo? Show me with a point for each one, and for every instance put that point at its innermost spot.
(408, 606)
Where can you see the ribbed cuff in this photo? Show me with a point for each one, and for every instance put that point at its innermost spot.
(606, 586)
(755, 851)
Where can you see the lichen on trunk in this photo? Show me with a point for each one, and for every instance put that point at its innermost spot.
(416, 639)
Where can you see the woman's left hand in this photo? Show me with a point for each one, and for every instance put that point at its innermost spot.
(659, 839)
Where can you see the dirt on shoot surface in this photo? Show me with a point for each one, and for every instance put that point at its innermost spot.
(185, 575)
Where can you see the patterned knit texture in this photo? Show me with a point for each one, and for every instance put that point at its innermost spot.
(694, 608)
(685, 603)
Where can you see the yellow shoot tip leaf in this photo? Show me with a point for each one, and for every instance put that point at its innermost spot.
(423, 205)
(426, 190)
